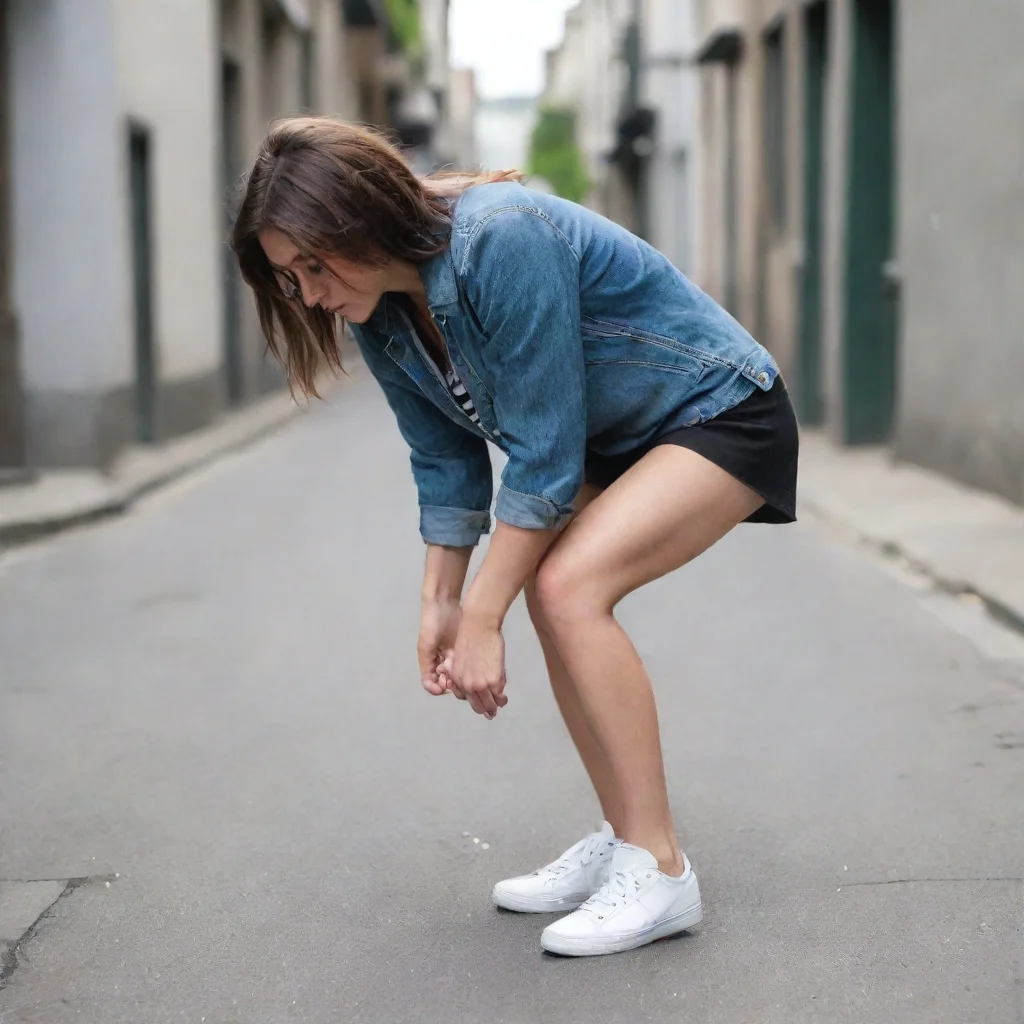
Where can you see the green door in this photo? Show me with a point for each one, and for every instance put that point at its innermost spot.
(808, 390)
(869, 323)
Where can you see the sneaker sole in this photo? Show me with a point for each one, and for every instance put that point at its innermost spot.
(565, 946)
(536, 905)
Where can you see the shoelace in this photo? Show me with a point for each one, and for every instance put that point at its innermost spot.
(621, 885)
(589, 847)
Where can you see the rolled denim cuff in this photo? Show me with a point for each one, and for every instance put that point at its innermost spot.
(453, 527)
(530, 512)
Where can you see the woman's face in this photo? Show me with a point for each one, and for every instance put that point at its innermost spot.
(337, 285)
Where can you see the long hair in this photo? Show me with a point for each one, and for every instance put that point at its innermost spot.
(335, 189)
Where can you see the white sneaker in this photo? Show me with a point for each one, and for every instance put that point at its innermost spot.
(638, 904)
(565, 883)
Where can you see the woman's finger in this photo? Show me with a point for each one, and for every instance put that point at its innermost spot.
(488, 703)
(428, 670)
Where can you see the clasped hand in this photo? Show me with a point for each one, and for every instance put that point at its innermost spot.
(463, 656)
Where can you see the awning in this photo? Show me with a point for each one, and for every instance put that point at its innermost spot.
(723, 46)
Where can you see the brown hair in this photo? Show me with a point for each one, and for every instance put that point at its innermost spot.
(335, 189)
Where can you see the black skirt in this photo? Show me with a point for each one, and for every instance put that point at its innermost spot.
(756, 441)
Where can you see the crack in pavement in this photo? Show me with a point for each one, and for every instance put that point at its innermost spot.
(920, 881)
(10, 957)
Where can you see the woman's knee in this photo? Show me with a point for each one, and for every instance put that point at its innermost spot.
(561, 594)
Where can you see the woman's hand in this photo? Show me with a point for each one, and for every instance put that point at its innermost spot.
(439, 628)
(476, 668)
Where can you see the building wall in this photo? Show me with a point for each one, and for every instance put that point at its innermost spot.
(961, 240)
(668, 86)
(334, 88)
(200, 79)
(958, 235)
(462, 103)
(71, 272)
(179, 111)
(503, 129)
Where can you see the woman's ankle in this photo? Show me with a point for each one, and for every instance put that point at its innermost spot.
(665, 851)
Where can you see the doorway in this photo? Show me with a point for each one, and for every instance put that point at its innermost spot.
(141, 192)
(809, 390)
(11, 433)
(231, 131)
(731, 187)
(870, 317)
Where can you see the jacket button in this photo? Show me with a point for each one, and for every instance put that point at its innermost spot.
(763, 378)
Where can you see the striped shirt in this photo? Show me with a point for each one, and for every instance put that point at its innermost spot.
(458, 391)
(451, 379)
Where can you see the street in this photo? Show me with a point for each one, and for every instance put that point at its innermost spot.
(211, 720)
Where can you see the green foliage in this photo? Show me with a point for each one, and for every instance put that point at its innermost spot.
(405, 22)
(555, 156)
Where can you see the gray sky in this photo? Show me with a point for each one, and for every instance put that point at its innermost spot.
(505, 42)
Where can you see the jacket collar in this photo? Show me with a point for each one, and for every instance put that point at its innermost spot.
(438, 275)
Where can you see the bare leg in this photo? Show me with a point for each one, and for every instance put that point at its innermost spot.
(564, 689)
(568, 700)
(665, 511)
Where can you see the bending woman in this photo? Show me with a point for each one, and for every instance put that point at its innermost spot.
(640, 421)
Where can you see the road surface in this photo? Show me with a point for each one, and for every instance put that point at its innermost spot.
(211, 722)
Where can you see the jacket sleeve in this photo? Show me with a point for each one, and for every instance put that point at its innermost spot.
(450, 465)
(522, 279)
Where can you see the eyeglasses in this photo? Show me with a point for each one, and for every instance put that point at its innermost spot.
(288, 283)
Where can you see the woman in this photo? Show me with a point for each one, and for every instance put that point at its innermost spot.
(640, 421)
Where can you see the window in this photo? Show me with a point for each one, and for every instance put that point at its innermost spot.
(775, 124)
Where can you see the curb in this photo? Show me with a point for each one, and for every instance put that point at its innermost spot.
(1008, 616)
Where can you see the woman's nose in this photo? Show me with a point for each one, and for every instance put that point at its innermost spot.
(310, 295)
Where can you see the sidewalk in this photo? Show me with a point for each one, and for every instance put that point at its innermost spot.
(59, 500)
(968, 541)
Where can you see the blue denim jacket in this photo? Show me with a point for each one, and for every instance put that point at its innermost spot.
(570, 334)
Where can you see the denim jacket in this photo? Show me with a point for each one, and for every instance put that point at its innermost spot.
(570, 335)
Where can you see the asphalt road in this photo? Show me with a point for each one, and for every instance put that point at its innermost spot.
(213, 706)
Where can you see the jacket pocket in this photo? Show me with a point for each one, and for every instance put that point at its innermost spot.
(605, 344)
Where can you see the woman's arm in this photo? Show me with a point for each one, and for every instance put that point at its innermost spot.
(511, 557)
(443, 578)
(476, 669)
(521, 277)
(445, 573)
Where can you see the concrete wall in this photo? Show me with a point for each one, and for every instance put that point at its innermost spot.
(961, 239)
(667, 38)
(155, 44)
(503, 129)
(959, 232)
(70, 231)
(766, 254)
(82, 76)
(462, 104)
(335, 94)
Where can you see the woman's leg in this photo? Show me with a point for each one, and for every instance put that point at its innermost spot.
(666, 510)
(568, 700)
